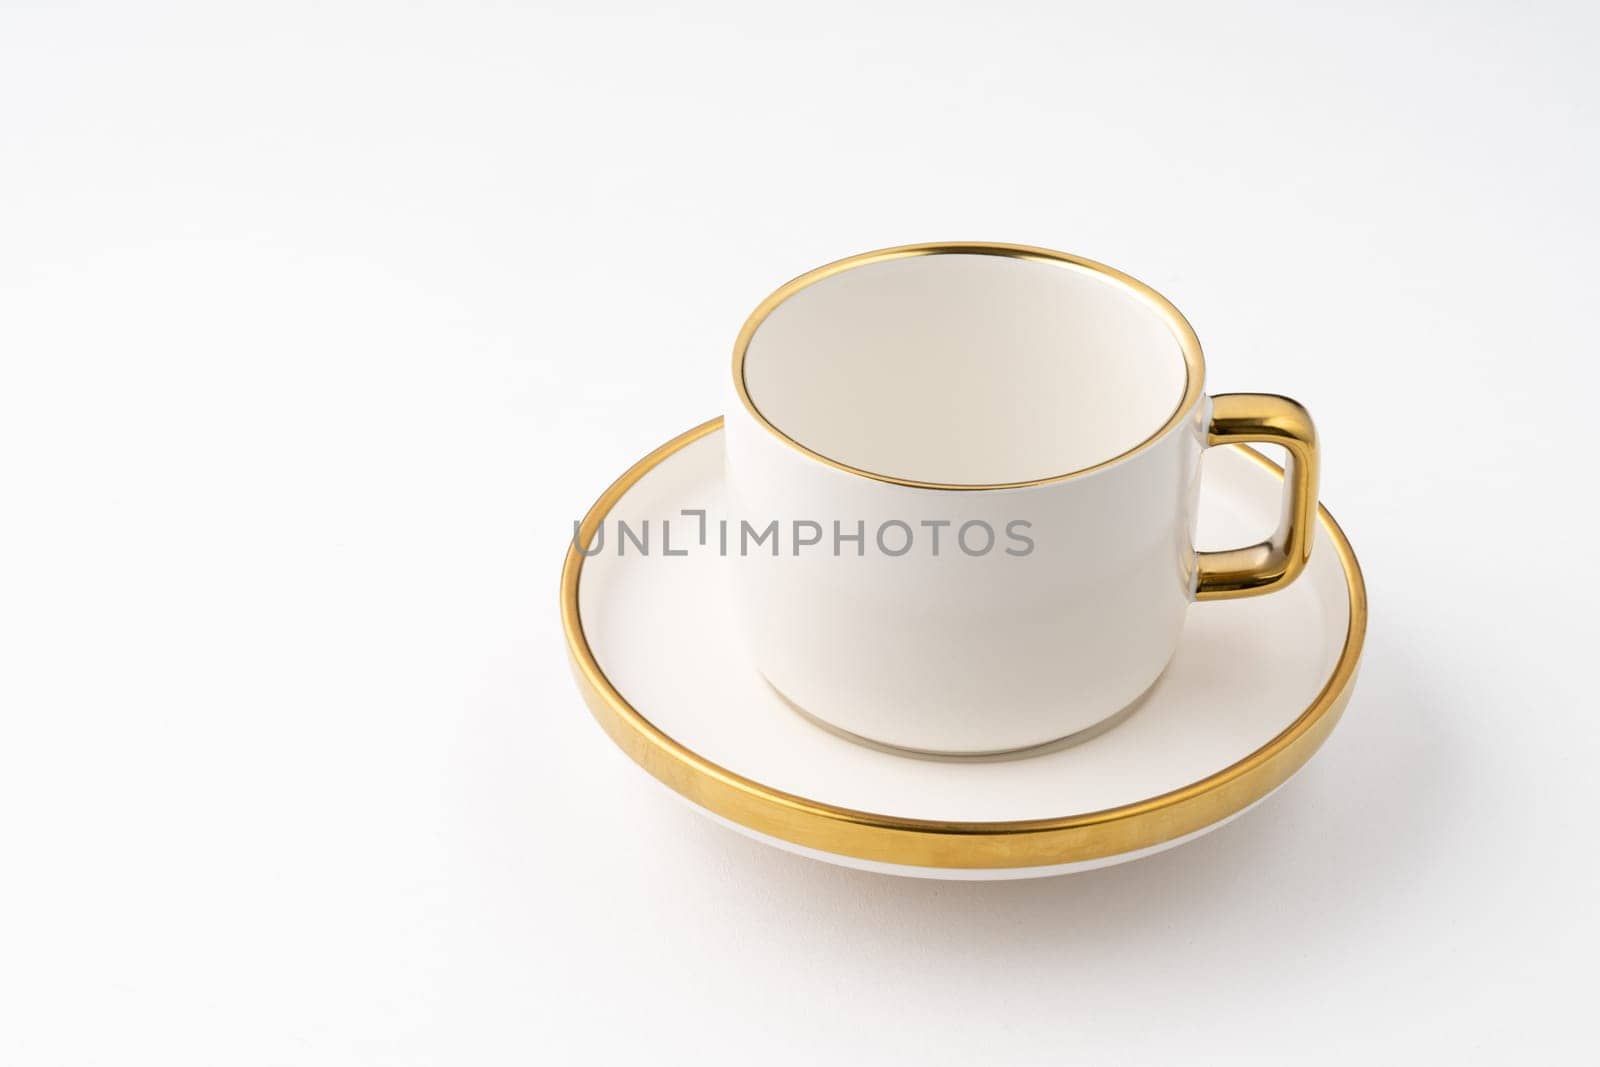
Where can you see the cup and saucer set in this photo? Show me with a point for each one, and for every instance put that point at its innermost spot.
(973, 580)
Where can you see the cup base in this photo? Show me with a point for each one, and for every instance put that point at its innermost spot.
(991, 756)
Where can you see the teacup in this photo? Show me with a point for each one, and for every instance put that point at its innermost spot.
(963, 481)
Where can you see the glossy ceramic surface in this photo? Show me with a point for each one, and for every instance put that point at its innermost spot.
(964, 479)
(1254, 688)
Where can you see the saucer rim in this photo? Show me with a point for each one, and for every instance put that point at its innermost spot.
(906, 841)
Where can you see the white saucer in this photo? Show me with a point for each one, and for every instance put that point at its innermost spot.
(1255, 688)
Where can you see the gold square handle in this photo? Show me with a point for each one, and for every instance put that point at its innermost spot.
(1263, 418)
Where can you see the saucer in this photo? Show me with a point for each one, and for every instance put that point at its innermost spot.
(1255, 688)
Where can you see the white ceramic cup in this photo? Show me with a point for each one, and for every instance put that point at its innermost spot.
(1015, 436)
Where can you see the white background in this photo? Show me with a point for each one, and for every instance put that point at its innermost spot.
(318, 325)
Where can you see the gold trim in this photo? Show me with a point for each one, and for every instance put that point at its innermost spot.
(1193, 359)
(929, 843)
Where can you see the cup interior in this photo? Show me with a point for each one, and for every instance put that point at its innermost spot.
(968, 368)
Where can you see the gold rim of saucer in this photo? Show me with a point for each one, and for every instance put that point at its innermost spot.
(931, 843)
